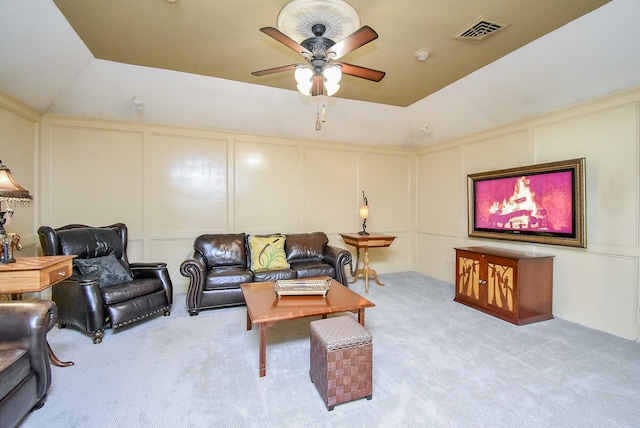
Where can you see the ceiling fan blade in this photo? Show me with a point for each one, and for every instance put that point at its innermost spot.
(352, 42)
(362, 72)
(274, 70)
(318, 86)
(285, 40)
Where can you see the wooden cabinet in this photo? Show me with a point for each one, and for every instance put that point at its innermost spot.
(511, 285)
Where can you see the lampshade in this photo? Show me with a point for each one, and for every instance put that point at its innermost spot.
(305, 88)
(10, 191)
(364, 212)
(332, 74)
(331, 88)
(303, 74)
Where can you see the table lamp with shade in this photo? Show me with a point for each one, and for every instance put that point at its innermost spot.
(364, 214)
(10, 192)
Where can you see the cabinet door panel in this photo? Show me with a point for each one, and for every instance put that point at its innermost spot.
(501, 286)
(468, 278)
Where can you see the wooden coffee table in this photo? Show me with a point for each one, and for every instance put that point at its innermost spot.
(265, 308)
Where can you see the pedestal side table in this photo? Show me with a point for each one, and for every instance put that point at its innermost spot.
(366, 241)
(33, 275)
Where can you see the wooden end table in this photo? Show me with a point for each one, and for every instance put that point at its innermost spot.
(33, 275)
(265, 308)
(366, 241)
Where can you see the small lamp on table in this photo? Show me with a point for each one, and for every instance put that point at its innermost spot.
(10, 191)
(364, 214)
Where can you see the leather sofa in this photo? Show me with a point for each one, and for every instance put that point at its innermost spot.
(221, 262)
(25, 370)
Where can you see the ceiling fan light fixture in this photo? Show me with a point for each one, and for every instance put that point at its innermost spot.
(331, 87)
(303, 75)
(305, 88)
(332, 74)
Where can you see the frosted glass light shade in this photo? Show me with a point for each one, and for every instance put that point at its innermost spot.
(332, 73)
(364, 212)
(303, 74)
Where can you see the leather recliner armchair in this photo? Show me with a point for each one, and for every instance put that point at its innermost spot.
(25, 370)
(105, 290)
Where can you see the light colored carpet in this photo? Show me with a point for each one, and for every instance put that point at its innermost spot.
(436, 363)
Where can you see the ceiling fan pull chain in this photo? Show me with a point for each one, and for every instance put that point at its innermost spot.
(318, 122)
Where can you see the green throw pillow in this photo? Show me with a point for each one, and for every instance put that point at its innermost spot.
(267, 252)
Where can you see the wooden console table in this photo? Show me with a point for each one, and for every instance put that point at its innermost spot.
(512, 285)
(366, 242)
(33, 275)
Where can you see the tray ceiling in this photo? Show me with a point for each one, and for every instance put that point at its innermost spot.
(222, 39)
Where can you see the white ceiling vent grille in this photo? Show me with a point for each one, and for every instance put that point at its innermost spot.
(482, 27)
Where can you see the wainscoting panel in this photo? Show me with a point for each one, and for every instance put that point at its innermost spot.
(93, 176)
(19, 125)
(187, 184)
(597, 290)
(330, 189)
(386, 180)
(508, 150)
(612, 173)
(438, 191)
(436, 256)
(267, 187)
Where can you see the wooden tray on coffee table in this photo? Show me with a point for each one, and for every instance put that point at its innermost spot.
(302, 287)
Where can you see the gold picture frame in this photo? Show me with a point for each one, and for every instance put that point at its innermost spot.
(545, 199)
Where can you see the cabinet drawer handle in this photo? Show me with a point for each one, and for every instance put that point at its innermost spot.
(482, 282)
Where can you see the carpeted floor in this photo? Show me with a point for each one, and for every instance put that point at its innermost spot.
(436, 363)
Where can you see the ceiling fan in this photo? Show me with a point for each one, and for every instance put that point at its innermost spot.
(320, 53)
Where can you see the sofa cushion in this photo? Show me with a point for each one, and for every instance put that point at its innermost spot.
(313, 269)
(222, 249)
(274, 275)
(267, 252)
(131, 290)
(306, 246)
(227, 277)
(107, 270)
(14, 367)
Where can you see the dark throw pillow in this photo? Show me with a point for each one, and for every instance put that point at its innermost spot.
(107, 270)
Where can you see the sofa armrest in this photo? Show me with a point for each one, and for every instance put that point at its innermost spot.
(195, 269)
(24, 325)
(338, 258)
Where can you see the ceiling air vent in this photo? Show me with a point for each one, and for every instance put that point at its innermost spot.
(480, 28)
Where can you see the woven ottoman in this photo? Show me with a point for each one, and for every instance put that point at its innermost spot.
(341, 360)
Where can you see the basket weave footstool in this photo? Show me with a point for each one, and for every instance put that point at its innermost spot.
(341, 360)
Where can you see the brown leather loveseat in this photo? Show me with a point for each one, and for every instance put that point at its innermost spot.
(25, 370)
(221, 262)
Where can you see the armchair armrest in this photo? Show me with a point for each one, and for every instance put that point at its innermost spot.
(339, 258)
(195, 269)
(154, 270)
(80, 300)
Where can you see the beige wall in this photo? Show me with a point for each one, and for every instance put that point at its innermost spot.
(171, 184)
(18, 147)
(596, 286)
